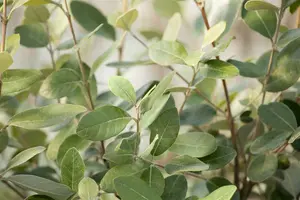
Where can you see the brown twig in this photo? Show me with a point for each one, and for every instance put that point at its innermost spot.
(4, 29)
(188, 93)
(229, 113)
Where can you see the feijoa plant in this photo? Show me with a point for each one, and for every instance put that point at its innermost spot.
(60, 139)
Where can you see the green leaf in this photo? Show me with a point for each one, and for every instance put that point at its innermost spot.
(107, 183)
(36, 14)
(286, 72)
(87, 189)
(154, 179)
(173, 27)
(269, 141)
(38, 197)
(45, 116)
(278, 116)
(90, 17)
(103, 123)
(70, 142)
(6, 61)
(54, 145)
(127, 19)
(185, 164)
(33, 35)
(127, 64)
(42, 186)
(151, 34)
(197, 115)
(214, 33)
(72, 169)
(175, 188)
(130, 187)
(194, 144)
(260, 5)
(167, 53)
(217, 182)
(23, 157)
(219, 158)
(222, 193)
(122, 88)
(295, 135)
(288, 37)
(262, 167)
(60, 83)
(166, 8)
(31, 138)
(261, 21)
(248, 69)
(3, 140)
(166, 126)
(12, 43)
(36, 2)
(19, 80)
(218, 69)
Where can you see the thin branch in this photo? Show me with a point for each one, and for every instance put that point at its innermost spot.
(229, 113)
(138, 39)
(4, 29)
(188, 93)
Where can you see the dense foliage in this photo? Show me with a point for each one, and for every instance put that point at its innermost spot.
(60, 139)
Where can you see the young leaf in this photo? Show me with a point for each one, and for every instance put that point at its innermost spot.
(5, 60)
(154, 178)
(197, 115)
(166, 8)
(42, 186)
(60, 83)
(288, 37)
(260, 5)
(12, 44)
(45, 116)
(19, 80)
(90, 17)
(130, 187)
(194, 144)
(175, 188)
(173, 27)
(218, 69)
(184, 164)
(23, 157)
(214, 33)
(122, 88)
(269, 141)
(36, 14)
(278, 116)
(70, 142)
(88, 189)
(167, 53)
(103, 123)
(72, 169)
(262, 167)
(222, 193)
(33, 35)
(127, 19)
(219, 158)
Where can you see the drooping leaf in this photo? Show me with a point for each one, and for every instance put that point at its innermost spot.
(122, 88)
(219, 158)
(130, 187)
(102, 123)
(175, 188)
(167, 53)
(45, 116)
(90, 17)
(154, 179)
(218, 69)
(197, 115)
(87, 189)
(222, 193)
(36, 14)
(185, 164)
(214, 33)
(288, 37)
(259, 5)
(248, 69)
(19, 80)
(173, 27)
(262, 167)
(72, 169)
(278, 116)
(126, 20)
(6, 61)
(194, 144)
(23, 157)
(269, 141)
(166, 126)
(33, 35)
(42, 186)
(60, 83)
(70, 142)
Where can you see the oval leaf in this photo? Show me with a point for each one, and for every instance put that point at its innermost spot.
(214, 33)
(218, 69)
(127, 19)
(173, 27)
(88, 189)
(288, 37)
(197, 115)
(154, 178)
(259, 5)
(122, 88)
(222, 193)
(175, 188)
(5, 60)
